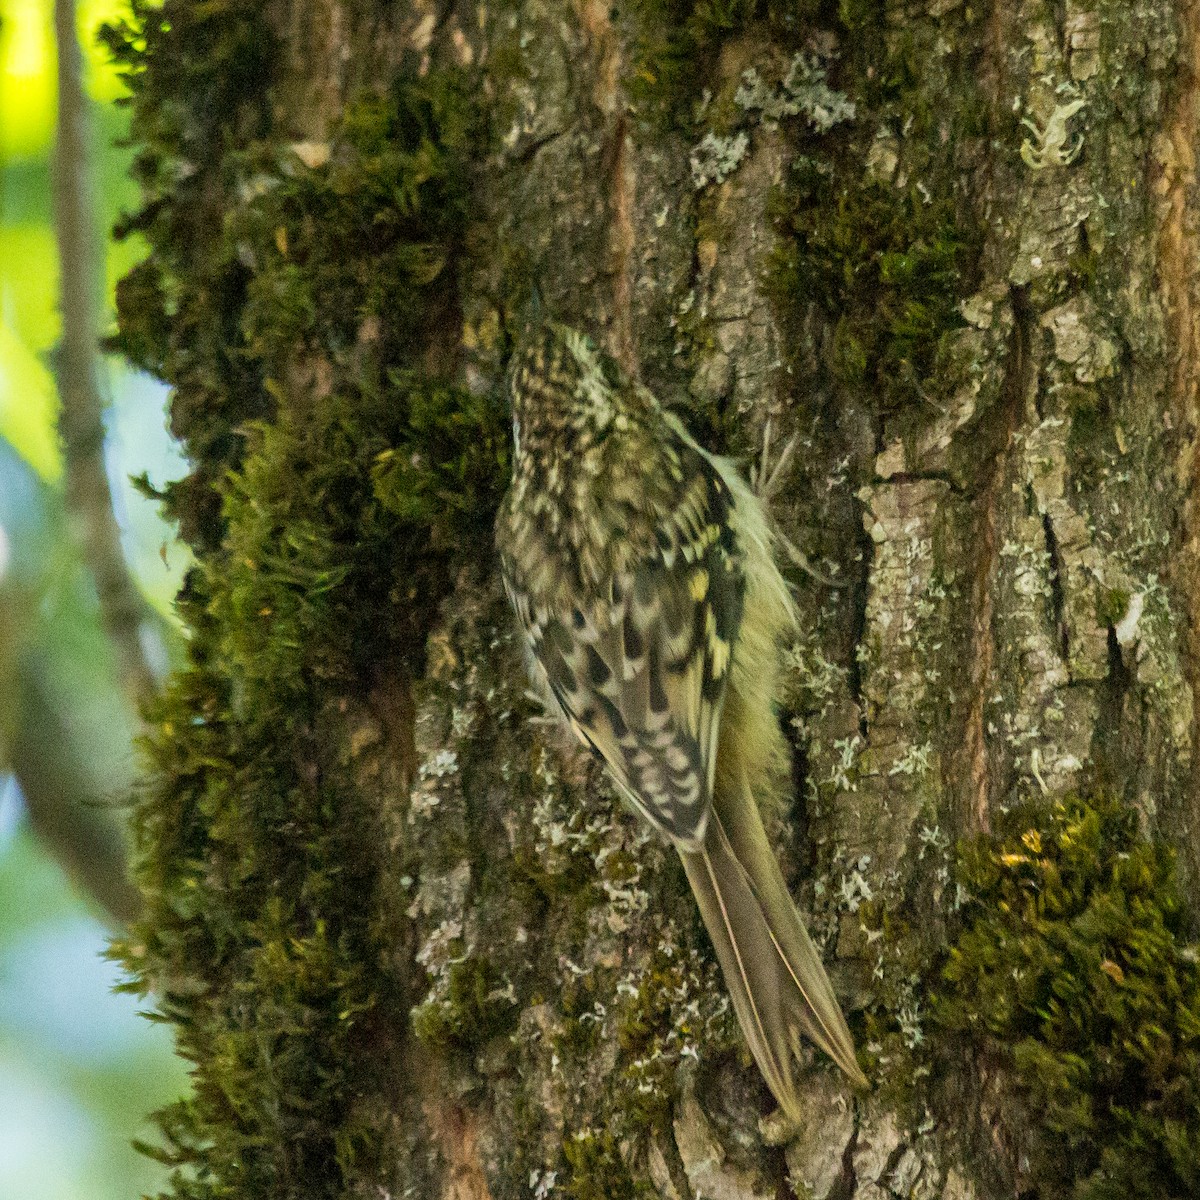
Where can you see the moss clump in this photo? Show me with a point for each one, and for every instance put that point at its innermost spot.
(469, 1009)
(675, 43)
(596, 1170)
(876, 230)
(252, 946)
(886, 264)
(200, 78)
(447, 473)
(656, 1026)
(676, 39)
(399, 487)
(1073, 969)
(302, 314)
(355, 264)
(1111, 605)
(371, 235)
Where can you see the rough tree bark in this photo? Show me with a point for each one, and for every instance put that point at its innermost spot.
(412, 942)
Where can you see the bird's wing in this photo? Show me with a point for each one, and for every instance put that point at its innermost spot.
(640, 672)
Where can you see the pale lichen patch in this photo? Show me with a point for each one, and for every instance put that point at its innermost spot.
(1081, 339)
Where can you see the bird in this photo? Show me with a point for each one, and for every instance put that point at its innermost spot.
(642, 572)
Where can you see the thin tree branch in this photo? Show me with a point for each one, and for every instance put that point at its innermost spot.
(124, 614)
(62, 797)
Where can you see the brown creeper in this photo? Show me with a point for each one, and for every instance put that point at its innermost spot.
(641, 570)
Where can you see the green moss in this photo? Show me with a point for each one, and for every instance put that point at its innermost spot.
(596, 1170)
(860, 16)
(399, 487)
(253, 948)
(675, 43)
(371, 235)
(449, 475)
(882, 241)
(1073, 970)
(468, 1011)
(672, 38)
(337, 486)
(1111, 605)
(201, 79)
(893, 1031)
(649, 1036)
(886, 264)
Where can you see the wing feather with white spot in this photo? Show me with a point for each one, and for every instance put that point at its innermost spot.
(640, 672)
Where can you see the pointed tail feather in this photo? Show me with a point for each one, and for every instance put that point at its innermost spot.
(772, 970)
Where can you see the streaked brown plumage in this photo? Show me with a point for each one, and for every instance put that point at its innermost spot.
(641, 570)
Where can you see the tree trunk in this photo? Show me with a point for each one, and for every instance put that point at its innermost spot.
(946, 251)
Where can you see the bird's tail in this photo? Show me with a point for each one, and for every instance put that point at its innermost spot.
(772, 970)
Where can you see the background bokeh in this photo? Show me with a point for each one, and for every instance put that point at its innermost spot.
(79, 1068)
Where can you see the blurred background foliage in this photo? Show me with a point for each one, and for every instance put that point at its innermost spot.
(79, 1068)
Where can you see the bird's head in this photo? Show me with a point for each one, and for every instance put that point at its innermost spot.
(561, 388)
